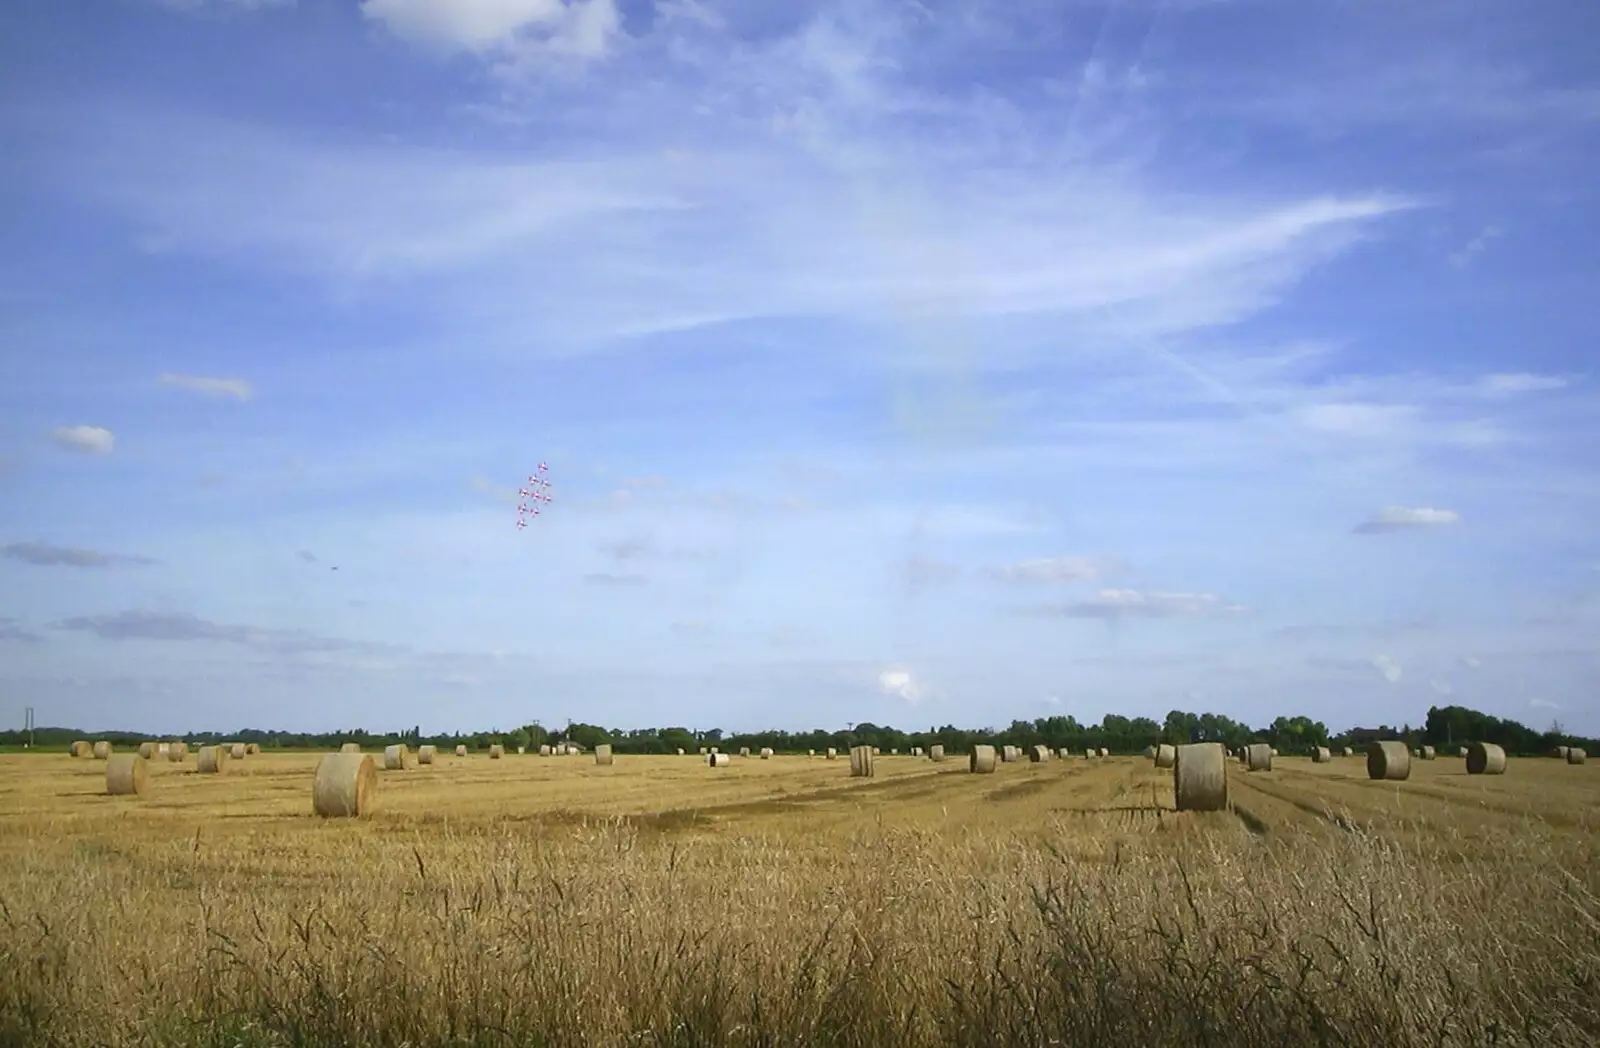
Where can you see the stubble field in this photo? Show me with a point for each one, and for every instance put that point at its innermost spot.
(657, 901)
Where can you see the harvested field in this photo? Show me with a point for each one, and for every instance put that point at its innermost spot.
(786, 894)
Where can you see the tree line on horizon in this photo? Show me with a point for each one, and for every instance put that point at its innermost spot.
(1443, 727)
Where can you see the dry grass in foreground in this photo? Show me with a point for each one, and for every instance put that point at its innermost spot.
(604, 937)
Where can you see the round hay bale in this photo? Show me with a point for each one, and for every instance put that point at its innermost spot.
(251, 749)
(1104, 752)
(395, 758)
(426, 754)
(1149, 753)
(982, 759)
(1038, 754)
(1200, 776)
(766, 753)
(680, 751)
(1063, 753)
(861, 762)
(936, 752)
(177, 752)
(461, 751)
(894, 752)
(744, 751)
(1485, 758)
(1166, 756)
(102, 750)
(831, 754)
(1258, 757)
(544, 751)
(1274, 752)
(147, 750)
(213, 760)
(522, 749)
(1388, 760)
(1464, 752)
(702, 751)
(1321, 755)
(1560, 752)
(350, 747)
(125, 774)
(1088, 754)
(236, 751)
(1005, 754)
(496, 751)
(602, 754)
(717, 760)
(81, 748)
(916, 751)
(1349, 751)
(573, 751)
(161, 751)
(1429, 753)
(1576, 755)
(345, 787)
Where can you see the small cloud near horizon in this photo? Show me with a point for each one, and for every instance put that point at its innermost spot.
(900, 682)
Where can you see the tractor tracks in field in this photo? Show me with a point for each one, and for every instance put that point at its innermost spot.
(1322, 811)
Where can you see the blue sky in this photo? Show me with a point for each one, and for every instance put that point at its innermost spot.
(912, 362)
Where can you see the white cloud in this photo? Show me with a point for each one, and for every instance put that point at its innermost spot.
(233, 5)
(1474, 247)
(1472, 662)
(1512, 383)
(899, 681)
(1441, 687)
(1057, 569)
(576, 28)
(1391, 670)
(237, 388)
(1132, 603)
(1357, 420)
(89, 440)
(1399, 518)
(1543, 704)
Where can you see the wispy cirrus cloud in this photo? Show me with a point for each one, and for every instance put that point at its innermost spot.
(237, 388)
(1512, 383)
(818, 203)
